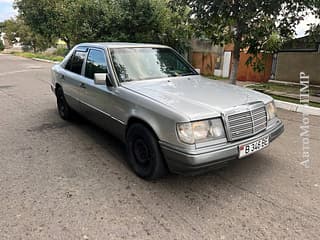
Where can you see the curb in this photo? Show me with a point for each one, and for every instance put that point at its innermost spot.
(44, 60)
(298, 108)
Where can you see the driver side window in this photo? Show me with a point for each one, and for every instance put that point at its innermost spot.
(96, 63)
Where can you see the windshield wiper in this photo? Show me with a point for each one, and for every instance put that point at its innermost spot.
(188, 74)
(128, 80)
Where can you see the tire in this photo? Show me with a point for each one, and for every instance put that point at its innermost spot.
(64, 110)
(144, 155)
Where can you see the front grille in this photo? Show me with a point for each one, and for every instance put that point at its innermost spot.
(245, 124)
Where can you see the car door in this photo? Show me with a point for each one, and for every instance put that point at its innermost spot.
(71, 78)
(99, 102)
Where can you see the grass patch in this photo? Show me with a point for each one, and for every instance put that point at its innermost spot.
(39, 55)
(217, 78)
(285, 88)
(285, 92)
(293, 100)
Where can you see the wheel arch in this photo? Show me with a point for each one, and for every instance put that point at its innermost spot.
(132, 120)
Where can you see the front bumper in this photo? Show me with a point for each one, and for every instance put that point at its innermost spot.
(205, 159)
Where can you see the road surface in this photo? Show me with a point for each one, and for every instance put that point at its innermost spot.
(61, 180)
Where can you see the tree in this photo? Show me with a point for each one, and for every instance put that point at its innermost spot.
(179, 31)
(17, 31)
(48, 18)
(248, 24)
(77, 21)
(314, 33)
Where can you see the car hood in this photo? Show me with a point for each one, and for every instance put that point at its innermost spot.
(196, 97)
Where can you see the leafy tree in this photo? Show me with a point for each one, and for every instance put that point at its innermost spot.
(77, 21)
(248, 24)
(16, 29)
(314, 33)
(179, 31)
(47, 18)
(140, 20)
(1, 27)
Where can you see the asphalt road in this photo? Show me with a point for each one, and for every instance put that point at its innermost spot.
(61, 180)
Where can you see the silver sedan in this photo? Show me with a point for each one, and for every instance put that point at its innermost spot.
(170, 117)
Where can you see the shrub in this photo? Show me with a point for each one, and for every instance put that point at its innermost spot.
(61, 51)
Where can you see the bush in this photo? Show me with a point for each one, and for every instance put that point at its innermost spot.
(61, 51)
(1, 46)
(26, 48)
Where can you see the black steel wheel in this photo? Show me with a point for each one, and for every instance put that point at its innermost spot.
(144, 154)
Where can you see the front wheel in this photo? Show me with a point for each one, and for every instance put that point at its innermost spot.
(144, 154)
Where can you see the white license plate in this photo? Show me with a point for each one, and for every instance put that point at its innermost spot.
(247, 149)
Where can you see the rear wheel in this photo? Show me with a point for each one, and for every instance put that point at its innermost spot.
(64, 110)
(144, 154)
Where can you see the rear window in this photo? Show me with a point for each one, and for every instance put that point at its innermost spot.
(76, 61)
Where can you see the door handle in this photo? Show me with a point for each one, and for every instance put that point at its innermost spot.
(82, 85)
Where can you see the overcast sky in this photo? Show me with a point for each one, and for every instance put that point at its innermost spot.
(7, 11)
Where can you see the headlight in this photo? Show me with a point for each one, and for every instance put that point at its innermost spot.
(271, 110)
(200, 131)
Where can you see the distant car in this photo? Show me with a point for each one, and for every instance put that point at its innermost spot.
(169, 116)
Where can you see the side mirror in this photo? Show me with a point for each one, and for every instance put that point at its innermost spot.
(198, 70)
(102, 79)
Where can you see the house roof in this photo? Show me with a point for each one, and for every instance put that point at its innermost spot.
(303, 44)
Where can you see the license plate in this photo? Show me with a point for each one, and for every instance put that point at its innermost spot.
(247, 149)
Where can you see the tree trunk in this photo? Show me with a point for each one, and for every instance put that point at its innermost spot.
(68, 45)
(34, 46)
(235, 62)
(67, 41)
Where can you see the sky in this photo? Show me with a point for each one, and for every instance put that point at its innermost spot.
(7, 11)
(303, 26)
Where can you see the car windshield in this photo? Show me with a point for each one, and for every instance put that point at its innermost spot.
(134, 64)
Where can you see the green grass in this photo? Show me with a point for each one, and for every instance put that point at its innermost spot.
(285, 88)
(273, 88)
(292, 100)
(217, 78)
(39, 55)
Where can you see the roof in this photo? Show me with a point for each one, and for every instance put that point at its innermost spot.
(120, 45)
(303, 44)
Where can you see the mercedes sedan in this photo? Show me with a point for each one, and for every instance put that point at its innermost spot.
(170, 117)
